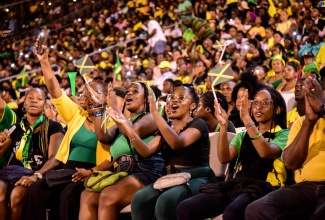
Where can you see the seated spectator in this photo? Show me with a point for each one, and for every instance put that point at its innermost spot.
(112, 199)
(285, 23)
(226, 90)
(168, 86)
(260, 72)
(252, 151)
(182, 73)
(165, 74)
(277, 65)
(257, 29)
(289, 76)
(304, 155)
(293, 115)
(248, 81)
(205, 110)
(185, 148)
(33, 145)
(77, 150)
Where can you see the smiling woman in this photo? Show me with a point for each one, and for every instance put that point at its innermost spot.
(77, 150)
(252, 151)
(33, 143)
(184, 147)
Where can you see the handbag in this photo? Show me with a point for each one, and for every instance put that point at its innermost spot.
(172, 180)
(13, 173)
(59, 177)
(98, 180)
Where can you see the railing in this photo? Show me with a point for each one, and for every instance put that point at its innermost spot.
(91, 54)
(29, 72)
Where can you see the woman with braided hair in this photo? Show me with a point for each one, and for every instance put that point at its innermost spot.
(34, 143)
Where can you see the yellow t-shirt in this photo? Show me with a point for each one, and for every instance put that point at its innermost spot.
(313, 168)
(259, 30)
(320, 58)
(184, 80)
(292, 116)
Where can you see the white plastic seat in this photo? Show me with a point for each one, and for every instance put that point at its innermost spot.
(218, 168)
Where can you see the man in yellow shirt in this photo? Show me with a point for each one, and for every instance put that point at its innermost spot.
(304, 154)
(293, 115)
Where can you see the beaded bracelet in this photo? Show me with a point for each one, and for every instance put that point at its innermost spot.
(98, 114)
(257, 136)
(249, 125)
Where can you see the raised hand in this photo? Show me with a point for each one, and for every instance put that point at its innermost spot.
(223, 117)
(314, 94)
(152, 102)
(244, 107)
(117, 116)
(111, 97)
(44, 55)
(310, 113)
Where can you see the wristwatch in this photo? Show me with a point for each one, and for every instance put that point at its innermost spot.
(39, 175)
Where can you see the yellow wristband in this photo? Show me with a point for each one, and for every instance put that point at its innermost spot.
(256, 137)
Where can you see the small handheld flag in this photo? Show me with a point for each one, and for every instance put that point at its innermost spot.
(118, 68)
(85, 64)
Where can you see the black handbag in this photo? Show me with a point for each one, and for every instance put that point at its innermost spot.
(13, 173)
(59, 177)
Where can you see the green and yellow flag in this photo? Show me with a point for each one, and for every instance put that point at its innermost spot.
(220, 74)
(118, 68)
(85, 64)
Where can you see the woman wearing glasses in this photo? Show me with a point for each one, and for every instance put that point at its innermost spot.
(252, 152)
(184, 146)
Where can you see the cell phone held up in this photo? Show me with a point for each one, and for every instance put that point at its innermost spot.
(43, 36)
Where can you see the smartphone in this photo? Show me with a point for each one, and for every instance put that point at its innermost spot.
(42, 40)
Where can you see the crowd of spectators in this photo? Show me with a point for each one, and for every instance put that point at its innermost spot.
(270, 44)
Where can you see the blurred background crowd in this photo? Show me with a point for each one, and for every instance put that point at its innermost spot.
(277, 40)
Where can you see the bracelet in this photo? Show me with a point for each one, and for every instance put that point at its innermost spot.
(133, 139)
(91, 169)
(98, 114)
(249, 125)
(257, 136)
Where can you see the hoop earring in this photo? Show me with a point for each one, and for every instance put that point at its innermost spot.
(23, 109)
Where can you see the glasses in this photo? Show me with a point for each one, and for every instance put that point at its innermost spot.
(180, 97)
(263, 104)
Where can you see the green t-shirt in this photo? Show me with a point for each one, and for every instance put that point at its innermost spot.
(182, 7)
(83, 146)
(121, 146)
(280, 139)
(7, 119)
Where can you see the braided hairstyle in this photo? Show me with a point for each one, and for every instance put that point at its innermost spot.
(43, 139)
(278, 101)
(146, 94)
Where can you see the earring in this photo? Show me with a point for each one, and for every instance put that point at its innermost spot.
(23, 109)
(191, 111)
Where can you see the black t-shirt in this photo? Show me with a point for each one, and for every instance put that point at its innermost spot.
(35, 154)
(196, 154)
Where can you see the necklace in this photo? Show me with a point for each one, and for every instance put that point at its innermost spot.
(89, 119)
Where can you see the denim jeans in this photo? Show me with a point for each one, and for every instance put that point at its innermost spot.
(305, 200)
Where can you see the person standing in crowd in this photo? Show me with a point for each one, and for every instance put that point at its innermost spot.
(253, 151)
(156, 37)
(226, 90)
(33, 143)
(304, 155)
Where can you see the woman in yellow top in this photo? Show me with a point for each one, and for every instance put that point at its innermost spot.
(290, 78)
(77, 150)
